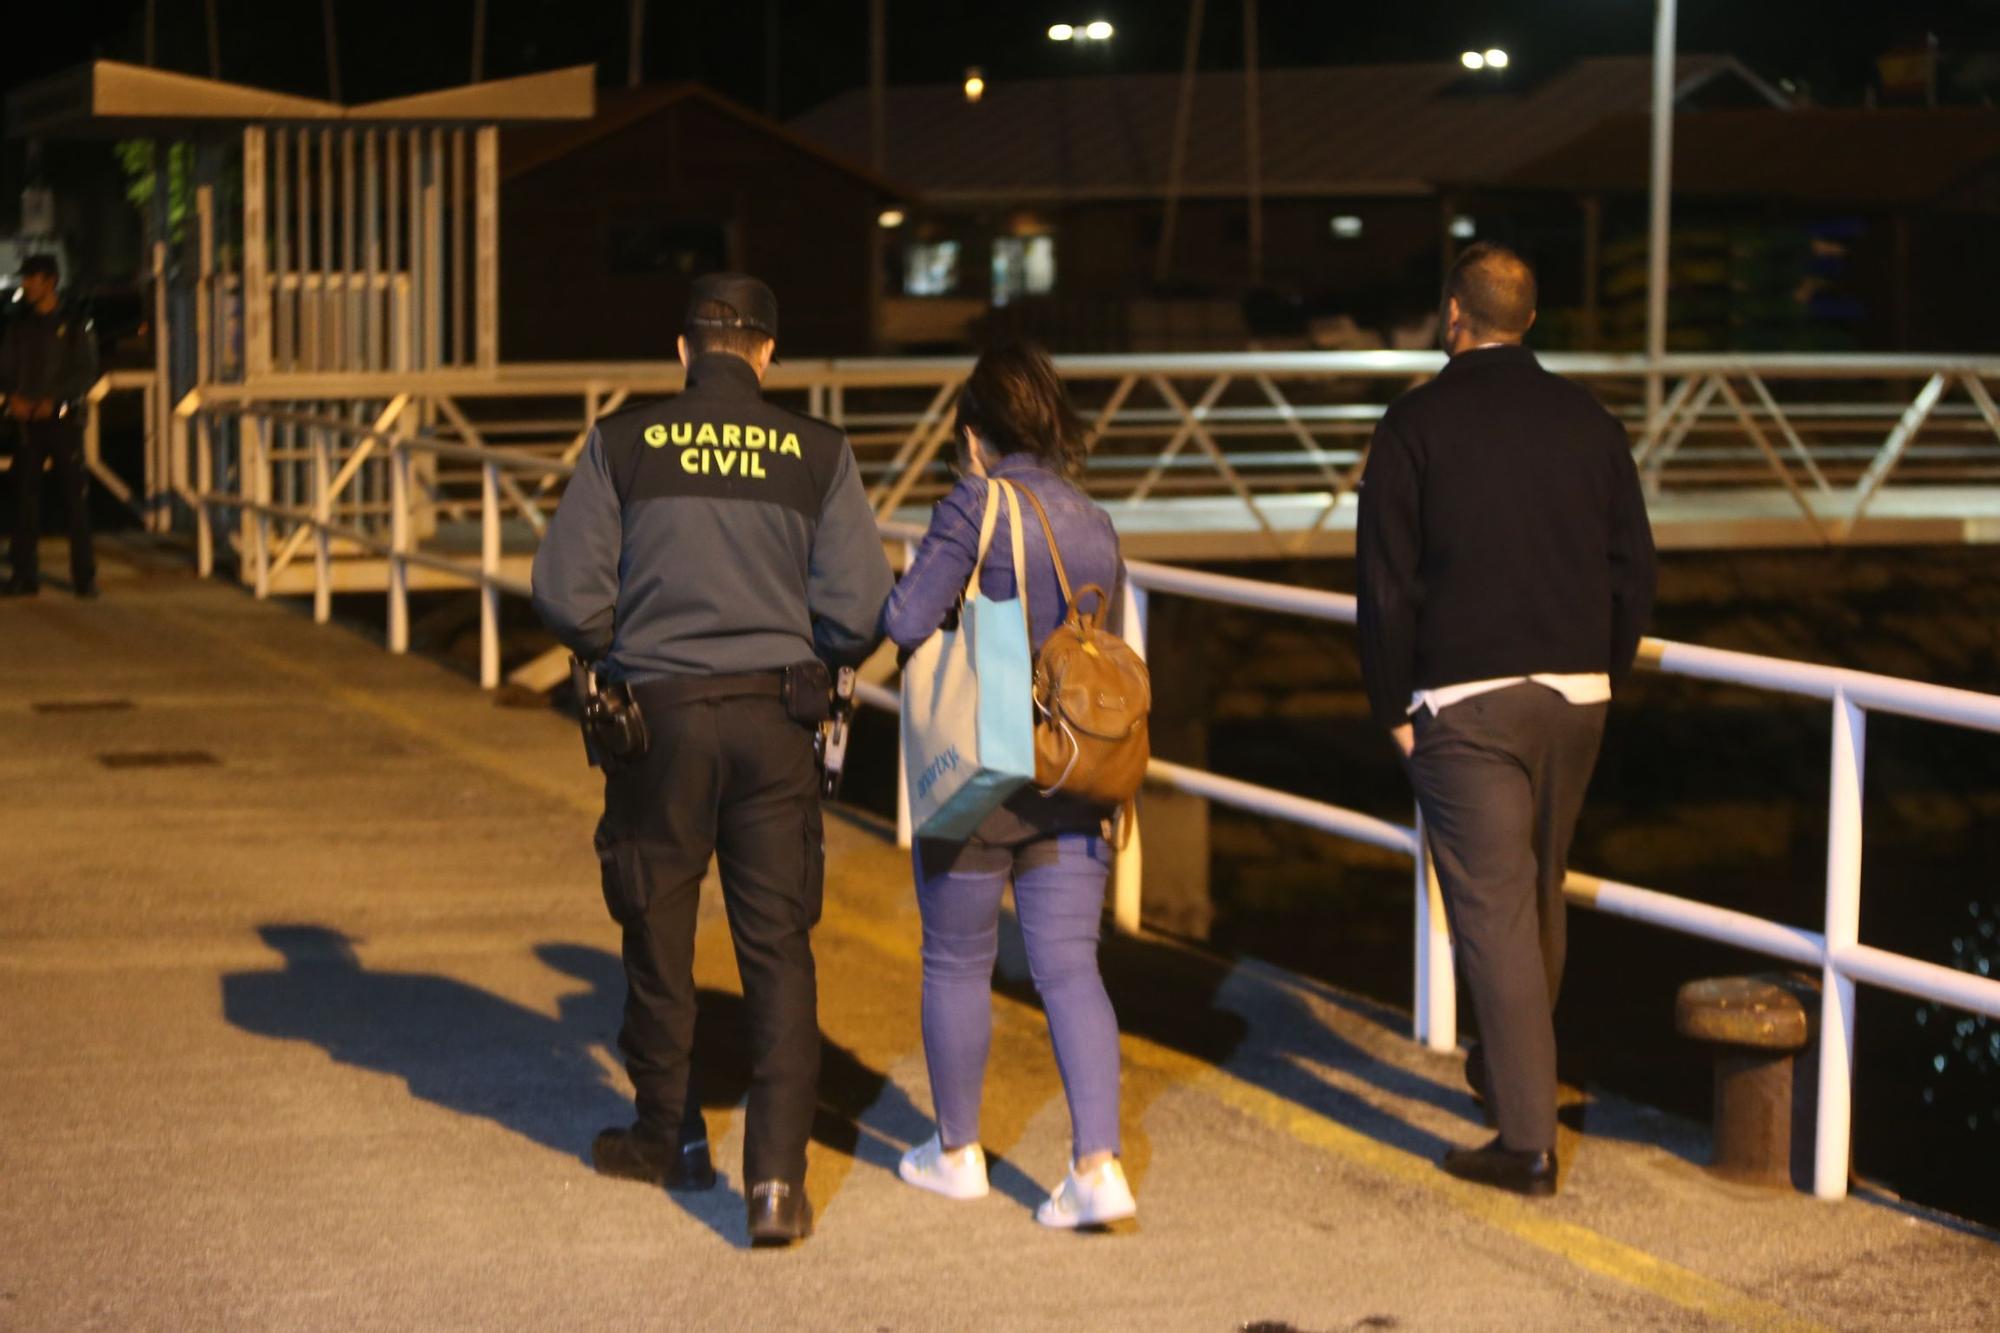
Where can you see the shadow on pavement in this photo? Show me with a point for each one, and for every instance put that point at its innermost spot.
(478, 1054)
(1188, 1000)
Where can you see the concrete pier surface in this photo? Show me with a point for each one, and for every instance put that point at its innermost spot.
(307, 1002)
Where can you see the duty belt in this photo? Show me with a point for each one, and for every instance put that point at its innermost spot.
(672, 691)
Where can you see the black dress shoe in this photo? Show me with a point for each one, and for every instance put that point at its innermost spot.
(780, 1213)
(1529, 1173)
(628, 1154)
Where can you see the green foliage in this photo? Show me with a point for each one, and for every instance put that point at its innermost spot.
(137, 158)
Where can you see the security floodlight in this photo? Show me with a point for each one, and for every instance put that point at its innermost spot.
(1496, 58)
(889, 218)
(1472, 60)
(1098, 31)
(1061, 32)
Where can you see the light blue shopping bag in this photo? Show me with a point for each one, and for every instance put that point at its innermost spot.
(968, 699)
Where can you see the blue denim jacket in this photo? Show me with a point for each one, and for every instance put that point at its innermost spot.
(934, 580)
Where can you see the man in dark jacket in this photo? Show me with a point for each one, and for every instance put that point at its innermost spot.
(1506, 573)
(48, 361)
(704, 546)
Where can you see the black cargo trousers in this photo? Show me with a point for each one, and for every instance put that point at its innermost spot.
(56, 442)
(733, 777)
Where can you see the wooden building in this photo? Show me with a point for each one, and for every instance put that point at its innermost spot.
(604, 223)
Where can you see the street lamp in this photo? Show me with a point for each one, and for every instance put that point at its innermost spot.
(1495, 58)
(889, 219)
(1491, 58)
(975, 84)
(1097, 30)
(1473, 60)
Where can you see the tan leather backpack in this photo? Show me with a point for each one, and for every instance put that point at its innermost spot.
(1092, 697)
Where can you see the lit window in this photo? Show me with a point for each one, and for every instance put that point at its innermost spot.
(1463, 228)
(930, 268)
(1346, 226)
(1023, 266)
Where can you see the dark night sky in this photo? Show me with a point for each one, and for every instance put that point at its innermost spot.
(389, 47)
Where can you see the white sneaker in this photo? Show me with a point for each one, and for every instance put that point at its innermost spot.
(1089, 1201)
(956, 1175)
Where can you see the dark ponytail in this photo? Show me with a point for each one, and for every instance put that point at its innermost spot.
(1016, 402)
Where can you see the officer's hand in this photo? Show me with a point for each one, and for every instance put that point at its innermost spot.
(1405, 737)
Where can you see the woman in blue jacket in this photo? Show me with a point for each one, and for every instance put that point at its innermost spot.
(1015, 422)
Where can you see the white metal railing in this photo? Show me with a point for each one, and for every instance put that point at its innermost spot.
(1278, 438)
(1836, 951)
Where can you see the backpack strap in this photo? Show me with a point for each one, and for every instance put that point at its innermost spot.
(1055, 554)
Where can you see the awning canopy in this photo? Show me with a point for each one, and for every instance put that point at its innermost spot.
(109, 99)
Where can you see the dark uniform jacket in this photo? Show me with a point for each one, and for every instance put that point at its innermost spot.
(48, 356)
(710, 534)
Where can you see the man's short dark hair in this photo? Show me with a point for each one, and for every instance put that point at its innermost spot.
(709, 330)
(41, 266)
(1495, 290)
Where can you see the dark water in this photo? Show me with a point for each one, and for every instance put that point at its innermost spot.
(1705, 791)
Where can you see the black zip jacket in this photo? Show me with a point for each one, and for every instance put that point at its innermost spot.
(1503, 533)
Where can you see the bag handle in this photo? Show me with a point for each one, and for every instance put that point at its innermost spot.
(1062, 574)
(997, 491)
(986, 521)
(1055, 552)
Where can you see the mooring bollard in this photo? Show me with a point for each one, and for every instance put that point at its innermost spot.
(1757, 1026)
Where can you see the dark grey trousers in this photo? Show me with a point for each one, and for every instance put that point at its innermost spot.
(1500, 778)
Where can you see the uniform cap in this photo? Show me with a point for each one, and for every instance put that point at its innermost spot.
(756, 308)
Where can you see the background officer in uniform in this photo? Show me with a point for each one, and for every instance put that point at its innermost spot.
(704, 545)
(48, 361)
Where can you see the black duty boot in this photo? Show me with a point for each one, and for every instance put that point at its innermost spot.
(780, 1213)
(631, 1154)
(1530, 1173)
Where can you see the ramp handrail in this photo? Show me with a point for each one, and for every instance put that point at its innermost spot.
(1836, 950)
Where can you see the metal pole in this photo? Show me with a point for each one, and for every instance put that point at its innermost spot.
(332, 52)
(257, 446)
(1252, 147)
(489, 570)
(1436, 990)
(1128, 873)
(635, 66)
(1831, 1146)
(1177, 158)
(159, 485)
(322, 502)
(214, 43)
(399, 548)
(1662, 202)
(878, 74)
(478, 40)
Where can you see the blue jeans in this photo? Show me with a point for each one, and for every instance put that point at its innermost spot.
(1058, 883)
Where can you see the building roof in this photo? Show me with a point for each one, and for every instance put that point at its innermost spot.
(1357, 129)
(110, 98)
(1885, 157)
(530, 148)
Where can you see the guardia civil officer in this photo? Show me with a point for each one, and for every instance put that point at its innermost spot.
(48, 361)
(708, 549)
